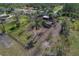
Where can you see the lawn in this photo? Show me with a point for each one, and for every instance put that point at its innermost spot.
(19, 33)
(14, 50)
(74, 48)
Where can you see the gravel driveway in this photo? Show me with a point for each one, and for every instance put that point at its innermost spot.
(5, 40)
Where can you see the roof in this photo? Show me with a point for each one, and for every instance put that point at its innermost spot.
(45, 16)
(3, 16)
(48, 22)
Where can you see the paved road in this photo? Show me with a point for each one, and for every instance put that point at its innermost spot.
(5, 40)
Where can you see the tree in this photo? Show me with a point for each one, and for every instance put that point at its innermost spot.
(71, 10)
(37, 23)
(65, 28)
(16, 14)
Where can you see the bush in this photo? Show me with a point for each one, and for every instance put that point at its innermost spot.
(12, 28)
(75, 25)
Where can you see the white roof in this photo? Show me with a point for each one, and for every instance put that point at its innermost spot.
(45, 16)
(3, 15)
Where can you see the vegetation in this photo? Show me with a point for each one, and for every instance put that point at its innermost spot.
(40, 29)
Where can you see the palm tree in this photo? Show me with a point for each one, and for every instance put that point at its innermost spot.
(17, 21)
(16, 14)
(65, 28)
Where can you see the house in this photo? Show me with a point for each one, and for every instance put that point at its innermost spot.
(3, 17)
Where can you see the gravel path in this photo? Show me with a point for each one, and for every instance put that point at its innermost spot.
(42, 42)
(5, 40)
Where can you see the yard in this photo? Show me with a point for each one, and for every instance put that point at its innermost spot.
(18, 33)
